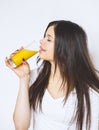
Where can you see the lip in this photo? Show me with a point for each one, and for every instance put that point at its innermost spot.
(42, 49)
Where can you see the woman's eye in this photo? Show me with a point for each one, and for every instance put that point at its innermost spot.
(48, 40)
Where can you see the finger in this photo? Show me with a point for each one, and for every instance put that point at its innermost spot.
(24, 61)
(16, 51)
(8, 63)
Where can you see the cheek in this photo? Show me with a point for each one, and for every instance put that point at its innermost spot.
(51, 48)
(52, 54)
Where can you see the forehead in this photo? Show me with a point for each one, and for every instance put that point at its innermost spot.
(50, 31)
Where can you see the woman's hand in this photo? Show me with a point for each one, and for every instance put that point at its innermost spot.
(21, 71)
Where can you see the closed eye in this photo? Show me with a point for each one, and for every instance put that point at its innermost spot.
(48, 40)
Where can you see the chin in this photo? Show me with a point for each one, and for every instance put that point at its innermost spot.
(42, 57)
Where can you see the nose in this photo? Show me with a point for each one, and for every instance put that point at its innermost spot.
(42, 41)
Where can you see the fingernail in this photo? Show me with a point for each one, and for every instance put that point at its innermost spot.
(23, 59)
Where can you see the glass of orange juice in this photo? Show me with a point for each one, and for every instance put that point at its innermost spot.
(24, 53)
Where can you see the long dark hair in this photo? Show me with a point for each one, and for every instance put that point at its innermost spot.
(76, 68)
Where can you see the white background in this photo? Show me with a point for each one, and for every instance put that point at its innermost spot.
(22, 21)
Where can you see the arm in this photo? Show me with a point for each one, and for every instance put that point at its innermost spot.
(21, 114)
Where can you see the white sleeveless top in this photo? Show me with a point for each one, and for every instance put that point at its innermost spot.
(57, 116)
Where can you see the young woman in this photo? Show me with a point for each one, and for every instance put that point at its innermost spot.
(64, 90)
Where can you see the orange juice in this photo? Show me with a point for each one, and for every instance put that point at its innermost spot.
(25, 54)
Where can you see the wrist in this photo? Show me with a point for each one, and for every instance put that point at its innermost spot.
(25, 80)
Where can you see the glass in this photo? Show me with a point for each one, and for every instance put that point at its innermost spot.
(24, 53)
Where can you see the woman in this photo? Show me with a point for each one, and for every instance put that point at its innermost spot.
(64, 92)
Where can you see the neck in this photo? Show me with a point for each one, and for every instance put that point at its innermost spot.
(55, 73)
(55, 85)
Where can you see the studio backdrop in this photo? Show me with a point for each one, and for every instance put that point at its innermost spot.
(23, 21)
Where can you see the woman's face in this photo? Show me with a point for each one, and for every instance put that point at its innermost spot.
(47, 45)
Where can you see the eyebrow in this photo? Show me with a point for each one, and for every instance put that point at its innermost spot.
(50, 36)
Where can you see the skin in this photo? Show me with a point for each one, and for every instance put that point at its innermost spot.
(22, 110)
(47, 53)
(47, 45)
